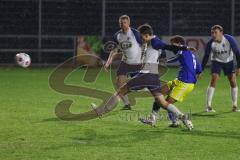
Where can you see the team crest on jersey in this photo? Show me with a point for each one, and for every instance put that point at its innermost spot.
(124, 45)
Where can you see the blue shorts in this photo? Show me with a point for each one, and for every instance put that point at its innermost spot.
(228, 68)
(145, 80)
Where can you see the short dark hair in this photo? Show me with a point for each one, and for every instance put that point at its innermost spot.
(178, 39)
(219, 27)
(145, 29)
(122, 17)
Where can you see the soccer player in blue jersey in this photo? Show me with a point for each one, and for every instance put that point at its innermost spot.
(222, 48)
(148, 76)
(131, 55)
(179, 88)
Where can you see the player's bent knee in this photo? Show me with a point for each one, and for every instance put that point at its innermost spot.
(171, 100)
(232, 80)
(165, 89)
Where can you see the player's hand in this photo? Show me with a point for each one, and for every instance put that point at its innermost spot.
(193, 49)
(106, 66)
(163, 61)
(238, 71)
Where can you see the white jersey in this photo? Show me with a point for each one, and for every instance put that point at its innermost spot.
(151, 55)
(131, 55)
(221, 52)
(150, 59)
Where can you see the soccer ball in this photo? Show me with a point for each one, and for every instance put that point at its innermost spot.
(23, 60)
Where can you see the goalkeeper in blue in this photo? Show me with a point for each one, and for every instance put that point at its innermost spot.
(177, 89)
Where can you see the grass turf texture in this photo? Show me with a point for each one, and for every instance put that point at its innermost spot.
(30, 130)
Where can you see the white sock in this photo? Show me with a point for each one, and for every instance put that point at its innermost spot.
(125, 100)
(154, 115)
(234, 93)
(210, 92)
(174, 110)
(111, 103)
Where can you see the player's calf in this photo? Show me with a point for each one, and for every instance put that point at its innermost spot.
(174, 120)
(121, 80)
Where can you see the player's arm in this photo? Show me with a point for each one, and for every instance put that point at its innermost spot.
(173, 59)
(158, 44)
(198, 69)
(238, 63)
(235, 50)
(113, 53)
(206, 54)
(111, 56)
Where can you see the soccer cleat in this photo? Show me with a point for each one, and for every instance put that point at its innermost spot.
(174, 125)
(235, 109)
(127, 107)
(148, 121)
(187, 122)
(209, 109)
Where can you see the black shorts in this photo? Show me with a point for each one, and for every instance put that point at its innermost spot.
(145, 80)
(128, 69)
(228, 68)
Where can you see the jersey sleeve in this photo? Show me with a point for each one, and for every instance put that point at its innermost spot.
(158, 44)
(137, 36)
(114, 38)
(206, 53)
(234, 47)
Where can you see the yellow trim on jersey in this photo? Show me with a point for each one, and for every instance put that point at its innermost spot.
(179, 89)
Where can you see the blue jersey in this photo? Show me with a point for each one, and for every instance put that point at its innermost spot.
(189, 66)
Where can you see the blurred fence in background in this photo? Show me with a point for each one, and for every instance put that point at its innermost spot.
(47, 29)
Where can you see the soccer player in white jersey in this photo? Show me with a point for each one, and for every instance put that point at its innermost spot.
(221, 48)
(131, 58)
(148, 76)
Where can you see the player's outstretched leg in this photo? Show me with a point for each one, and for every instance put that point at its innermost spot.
(112, 101)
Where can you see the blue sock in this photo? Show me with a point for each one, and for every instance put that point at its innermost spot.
(156, 107)
(172, 117)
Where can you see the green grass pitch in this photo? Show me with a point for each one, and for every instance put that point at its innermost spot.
(30, 130)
